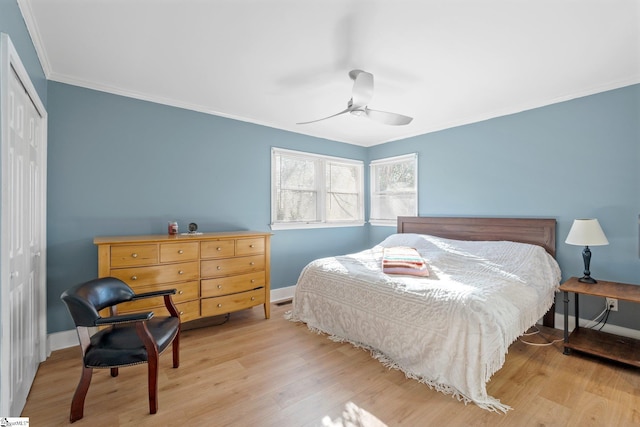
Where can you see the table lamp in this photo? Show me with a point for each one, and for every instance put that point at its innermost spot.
(586, 232)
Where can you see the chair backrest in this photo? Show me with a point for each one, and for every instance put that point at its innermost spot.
(84, 301)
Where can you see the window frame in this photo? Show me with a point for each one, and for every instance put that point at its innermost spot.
(389, 222)
(321, 188)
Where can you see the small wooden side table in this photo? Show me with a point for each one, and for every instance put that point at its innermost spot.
(598, 343)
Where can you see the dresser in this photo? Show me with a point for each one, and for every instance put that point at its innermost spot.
(213, 273)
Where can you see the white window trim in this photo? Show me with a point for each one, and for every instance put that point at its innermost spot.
(321, 202)
(389, 160)
(383, 223)
(302, 225)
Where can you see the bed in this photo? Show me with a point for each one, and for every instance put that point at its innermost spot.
(490, 279)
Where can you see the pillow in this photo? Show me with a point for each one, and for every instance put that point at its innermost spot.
(403, 260)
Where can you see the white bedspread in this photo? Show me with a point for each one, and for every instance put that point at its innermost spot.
(450, 330)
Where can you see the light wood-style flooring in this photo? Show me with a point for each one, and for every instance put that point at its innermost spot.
(256, 372)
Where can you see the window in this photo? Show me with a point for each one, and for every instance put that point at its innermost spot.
(310, 190)
(394, 189)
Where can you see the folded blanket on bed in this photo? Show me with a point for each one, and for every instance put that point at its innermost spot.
(403, 260)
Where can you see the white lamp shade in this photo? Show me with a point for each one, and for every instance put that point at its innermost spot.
(586, 232)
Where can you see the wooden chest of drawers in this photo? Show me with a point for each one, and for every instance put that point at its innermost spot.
(213, 273)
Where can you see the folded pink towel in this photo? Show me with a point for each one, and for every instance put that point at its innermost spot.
(403, 260)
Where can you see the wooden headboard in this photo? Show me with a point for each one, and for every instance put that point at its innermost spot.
(535, 231)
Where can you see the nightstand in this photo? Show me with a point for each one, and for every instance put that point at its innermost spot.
(602, 344)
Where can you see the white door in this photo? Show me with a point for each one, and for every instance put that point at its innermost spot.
(23, 233)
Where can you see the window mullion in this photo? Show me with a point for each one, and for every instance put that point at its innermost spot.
(321, 189)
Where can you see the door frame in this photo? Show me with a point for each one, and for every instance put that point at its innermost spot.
(9, 60)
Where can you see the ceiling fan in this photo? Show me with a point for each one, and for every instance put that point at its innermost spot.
(361, 95)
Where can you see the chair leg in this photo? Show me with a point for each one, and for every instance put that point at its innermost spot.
(114, 372)
(175, 346)
(153, 385)
(152, 363)
(77, 404)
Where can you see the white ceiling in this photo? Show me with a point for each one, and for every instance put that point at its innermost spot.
(279, 62)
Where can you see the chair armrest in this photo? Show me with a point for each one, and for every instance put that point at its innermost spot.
(153, 294)
(124, 318)
(168, 301)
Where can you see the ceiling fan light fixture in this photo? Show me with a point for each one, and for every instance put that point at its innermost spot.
(362, 93)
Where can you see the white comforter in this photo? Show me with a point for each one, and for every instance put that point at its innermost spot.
(450, 330)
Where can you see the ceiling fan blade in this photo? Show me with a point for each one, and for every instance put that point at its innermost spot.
(387, 118)
(362, 88)
(325, 118)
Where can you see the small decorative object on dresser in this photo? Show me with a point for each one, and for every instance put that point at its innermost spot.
(214, 273)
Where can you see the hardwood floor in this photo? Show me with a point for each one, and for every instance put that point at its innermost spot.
(256, 372)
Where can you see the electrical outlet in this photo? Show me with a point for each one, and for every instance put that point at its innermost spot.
(612, 303)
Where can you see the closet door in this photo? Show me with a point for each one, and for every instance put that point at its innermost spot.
(23, 235)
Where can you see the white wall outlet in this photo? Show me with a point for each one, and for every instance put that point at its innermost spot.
(612, 304)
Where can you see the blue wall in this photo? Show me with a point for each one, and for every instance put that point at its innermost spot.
(575, 159)
(121, 166)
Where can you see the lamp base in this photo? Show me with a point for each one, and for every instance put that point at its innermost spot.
(587, 279)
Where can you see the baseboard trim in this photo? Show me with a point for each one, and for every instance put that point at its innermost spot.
(282, 294)
(66, 339)
(612, 329)
(60, 340)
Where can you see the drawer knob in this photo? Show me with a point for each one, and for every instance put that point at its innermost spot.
(218, 268)
(180, 272)
(253, 280)
(134, 277)
(218, 248)
(180, 292)
(252, 246)
(181, 251)
(219, 305)
(253, 298)
(134, 255)
(251, 263)
(219, 286)
(181, 313)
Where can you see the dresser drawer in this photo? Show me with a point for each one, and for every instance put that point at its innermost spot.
(186, 291)
(188, 311)
(131, 255)
(228, 303)
(250, 246)
(142, 276)
(218, 248)
(176, 252)
(229, 266)
(232, 284)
